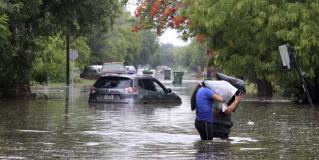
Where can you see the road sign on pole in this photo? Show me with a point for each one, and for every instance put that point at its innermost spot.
(288, 54)
(74, 54)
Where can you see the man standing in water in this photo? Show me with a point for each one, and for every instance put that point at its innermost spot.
(202, 100)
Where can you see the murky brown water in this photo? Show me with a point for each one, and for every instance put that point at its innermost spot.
(67, 127)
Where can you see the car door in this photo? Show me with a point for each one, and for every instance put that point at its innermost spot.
(163, 94)
(148, 92)
(152, 92)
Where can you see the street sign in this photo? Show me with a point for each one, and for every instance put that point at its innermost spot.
(74, 54)
(284, 54)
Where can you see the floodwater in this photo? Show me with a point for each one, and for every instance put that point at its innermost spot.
(66, 127)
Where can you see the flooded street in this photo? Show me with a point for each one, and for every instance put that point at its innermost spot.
(66, 127)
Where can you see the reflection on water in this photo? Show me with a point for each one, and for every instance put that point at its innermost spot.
(67, 127)
(212, 150)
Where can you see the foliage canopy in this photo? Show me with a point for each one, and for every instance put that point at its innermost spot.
(245, 34)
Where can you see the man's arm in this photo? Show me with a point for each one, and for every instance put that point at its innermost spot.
(218, 98)
(232, 107)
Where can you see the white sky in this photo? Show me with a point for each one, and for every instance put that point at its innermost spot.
(169, 36)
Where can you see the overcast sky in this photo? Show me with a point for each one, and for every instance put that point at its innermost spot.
(169, 36)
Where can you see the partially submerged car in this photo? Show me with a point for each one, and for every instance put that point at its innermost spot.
(136, 88)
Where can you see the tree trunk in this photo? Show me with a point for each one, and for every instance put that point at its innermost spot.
(314, 90)
(15, 79)
(209, 58)
(264, 88)
(316, 93)
(17, 92)
(209, 72)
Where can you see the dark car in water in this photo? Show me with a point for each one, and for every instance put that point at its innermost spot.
(113, 88)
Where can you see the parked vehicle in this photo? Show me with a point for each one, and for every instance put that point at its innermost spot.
(136, 88)
(113, 67)
(97, 68)
(130, 70)
(91, 72)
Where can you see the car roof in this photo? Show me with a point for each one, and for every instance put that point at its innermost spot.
(113, 63)
(96, 66)
(134, 76)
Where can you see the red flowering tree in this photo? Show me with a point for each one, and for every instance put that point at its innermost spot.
(160, 15)
(164, 14)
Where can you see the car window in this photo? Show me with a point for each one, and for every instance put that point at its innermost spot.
(114, 82)
(158, 87)
(146, 84)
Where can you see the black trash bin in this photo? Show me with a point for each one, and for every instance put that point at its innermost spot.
(148, 72)
(167, 74)
(178, 77)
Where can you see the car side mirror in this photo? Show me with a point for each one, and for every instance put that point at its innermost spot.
(168, 90)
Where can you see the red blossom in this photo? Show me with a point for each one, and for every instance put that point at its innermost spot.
(169, 11)
(154, 8)
(161, 14)
(137, 11)
(158, 30)
(137, 28)
(200, 38)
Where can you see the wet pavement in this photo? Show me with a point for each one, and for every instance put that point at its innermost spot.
(66, 127)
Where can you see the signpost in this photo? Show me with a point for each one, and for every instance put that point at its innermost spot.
(67, 59)
(73, 56)
(288, 55)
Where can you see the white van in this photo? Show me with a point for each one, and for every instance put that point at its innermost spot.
(96, 68)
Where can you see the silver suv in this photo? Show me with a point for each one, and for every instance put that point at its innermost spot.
(131, 89)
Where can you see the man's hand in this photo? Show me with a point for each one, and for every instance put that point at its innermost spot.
(232, 107)
(240, 95)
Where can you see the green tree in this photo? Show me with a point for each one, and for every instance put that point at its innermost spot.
(28, 20)
(296, 23)
(84, 51)
(163, 56)
(5, 54)
(121, 44)
(81, 17)
(50, 62)
(20, 54)
(4, 35)
(192, 56)
(114, 44)
(236, 31)
(245, 35)
(132, 45)
(149, 44)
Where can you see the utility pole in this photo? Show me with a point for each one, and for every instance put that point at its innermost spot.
(209, 57)
(67, 66)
